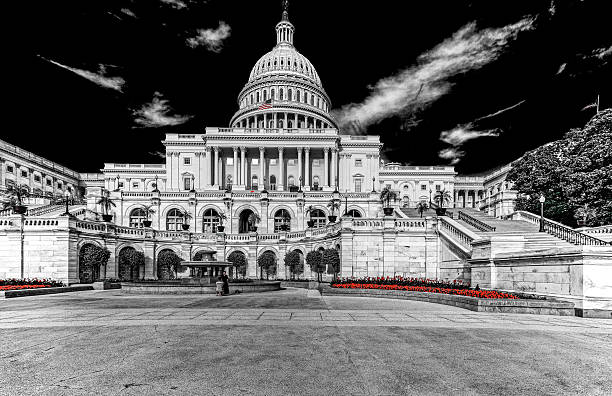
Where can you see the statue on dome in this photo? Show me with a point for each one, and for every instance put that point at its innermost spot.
(285, 10)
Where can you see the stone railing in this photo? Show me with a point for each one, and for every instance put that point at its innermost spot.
(457, 232)
(607, 229)
(474, 222)
(559, 230)
(410, 224)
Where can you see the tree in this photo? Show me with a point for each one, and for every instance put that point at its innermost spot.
(91, 258)
(14, 195)
(149, 210)
(294, 263)
(386, 195)
(239, 261)
(167, 263)
(333, 205)
(106, 202)
(253, 220)
(313, 259)
(442, 197)
(130, 261)
(267, 262)
(574, 174)
(331, 260)
(422, 207)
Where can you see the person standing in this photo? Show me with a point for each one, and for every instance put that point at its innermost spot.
(225, 280)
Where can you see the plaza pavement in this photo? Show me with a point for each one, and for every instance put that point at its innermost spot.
(291, 342)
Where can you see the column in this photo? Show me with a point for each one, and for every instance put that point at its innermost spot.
(235, 180)
(262, 174)
(243, 181)
(216, 166)
(296, 125)
(307, 169)
(286, 121)
(198, 179)
(281, 170)
(209, 167)
(326, 167)
(335, 168)
(455, 198)
(265, 117)
(177, 166)
(300, 179)
(168, 172)
(275, 120)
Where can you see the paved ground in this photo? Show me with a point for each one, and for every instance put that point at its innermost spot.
(291, 342)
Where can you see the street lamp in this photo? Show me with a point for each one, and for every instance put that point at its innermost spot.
(542, 200)
(67, 198)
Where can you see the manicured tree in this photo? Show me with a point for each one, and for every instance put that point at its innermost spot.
(267, 262)
(422, 207)
(293, 262)
(131, 260)
(167, 263)
(91, 258)
(239, 260)
(331, 260)
(442, 197)
(313, 259)
(386, 196)
(106, 203)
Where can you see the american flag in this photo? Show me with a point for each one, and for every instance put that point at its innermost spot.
(266, 105)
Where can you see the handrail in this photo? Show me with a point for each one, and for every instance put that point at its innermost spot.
(562, 231)
(464, 236)
(474, 222)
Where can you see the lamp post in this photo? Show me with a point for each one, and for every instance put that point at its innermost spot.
(542, 200)
(67, 198)
(373, 184)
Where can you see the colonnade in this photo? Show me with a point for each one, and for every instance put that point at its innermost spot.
(282, 120)
(465, 194)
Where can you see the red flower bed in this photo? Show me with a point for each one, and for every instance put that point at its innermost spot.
(428, 289)
(20, 287)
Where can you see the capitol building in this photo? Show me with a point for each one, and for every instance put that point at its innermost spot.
(281, 177)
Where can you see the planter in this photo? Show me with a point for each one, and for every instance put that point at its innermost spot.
(185, 227)
(388, 211)
(107, 218)
(253, 229)
(20, 209)
(220, 228)
(147, 223)
(441, 211)
(284, 227)
(332, 219)
(310, 223)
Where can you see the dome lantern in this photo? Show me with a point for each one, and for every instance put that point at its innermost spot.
(285, 29)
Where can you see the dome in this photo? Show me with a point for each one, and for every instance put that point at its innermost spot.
(285, 60)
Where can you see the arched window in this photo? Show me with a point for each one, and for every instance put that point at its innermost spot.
(305, 98)
(137, 216)
(299, 96)
(257, 97)
(210, 221)
(174, 220)
(281, 123)
(272, 182)
(353, 213)
(265, 95)
(281, 94)
(254, 182)
(290, 94)
(282, 221)
(272, 93)
(318, 217)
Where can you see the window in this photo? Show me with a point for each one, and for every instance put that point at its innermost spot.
(187, 161)
(423, 187)
(254, 183)
(282, 221)
(49, 182)
(318, 218)
(282, 94)
(137, 217)
(135, 185)
(358, 163)
(24, 173)
(9, 169)
(353, 213)
(187, 183)
(210, 221)
(37, 178)
(358, 184)
(290, 95)
(174, 220)
(438, 187)
(59, 185)
(272, 182)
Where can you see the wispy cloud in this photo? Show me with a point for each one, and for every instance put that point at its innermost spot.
(178, 4)
(157, 153)
(495, 114)
(458, 136)
(99, 78)
(212, 39)
(157, 114)
(420, 85)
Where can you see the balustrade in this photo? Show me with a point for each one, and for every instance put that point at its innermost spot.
(474, 222)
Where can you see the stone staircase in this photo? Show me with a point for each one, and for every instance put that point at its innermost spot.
(534, 240)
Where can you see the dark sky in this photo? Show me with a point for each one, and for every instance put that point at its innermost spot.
(76, 122)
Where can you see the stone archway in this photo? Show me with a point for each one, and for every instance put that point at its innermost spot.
(88, 273)
(125, 268)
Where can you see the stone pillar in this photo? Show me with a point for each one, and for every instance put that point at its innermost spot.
(177, 167)
(235, 180)
(281, 170)
(335, 168)
(198, 179)
(208, 177)
(307, 169)
(168, 172)
(216, 166)
(262, 164)
(326, 167)
(300, 170)
(243, 172)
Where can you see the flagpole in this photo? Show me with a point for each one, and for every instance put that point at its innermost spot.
(597, 104)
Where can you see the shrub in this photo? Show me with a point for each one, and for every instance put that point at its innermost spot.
(91, 257)
(331, 261)
(294, 263)
(314, 262)
(240, 262)
(168, 265)
(130, 261)
(267, 262)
